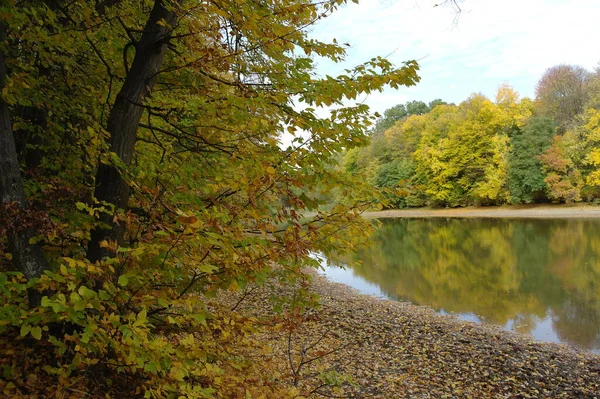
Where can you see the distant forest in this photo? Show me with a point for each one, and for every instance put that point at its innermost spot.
(509, 150)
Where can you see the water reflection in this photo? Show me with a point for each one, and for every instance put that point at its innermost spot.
(540, 277)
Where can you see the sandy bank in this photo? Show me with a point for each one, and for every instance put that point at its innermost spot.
(518, 211)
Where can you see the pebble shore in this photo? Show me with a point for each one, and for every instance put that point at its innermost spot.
(375, 348)
(410, 351)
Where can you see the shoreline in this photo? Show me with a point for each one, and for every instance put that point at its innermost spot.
(338, 289)
(443, 356)
(386, 349)
(544, 211)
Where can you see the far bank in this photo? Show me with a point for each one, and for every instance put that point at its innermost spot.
(545, 211)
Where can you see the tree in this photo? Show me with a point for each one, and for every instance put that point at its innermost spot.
(563, 177)
(436, 102)
(398, 112)
(124, 118)
(395, 181)
(27, 256)
(390, 117)
(525, 174)
(461, 157)
(507, 97)
(590, 130)
(160, 181)
(416, 108)
(593, 89)
(404, 137)
(562, 92)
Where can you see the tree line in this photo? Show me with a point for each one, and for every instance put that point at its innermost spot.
(508, 150)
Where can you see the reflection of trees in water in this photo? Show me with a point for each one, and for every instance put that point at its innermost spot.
(500, 270)
(577, 322)
(567, 244)
(574, 246)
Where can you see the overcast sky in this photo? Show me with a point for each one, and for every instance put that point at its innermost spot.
(491, 42)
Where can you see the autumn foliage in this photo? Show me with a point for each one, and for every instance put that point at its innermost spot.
(489, 152)
(146, 175)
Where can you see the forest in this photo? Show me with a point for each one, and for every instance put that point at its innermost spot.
(508, 150)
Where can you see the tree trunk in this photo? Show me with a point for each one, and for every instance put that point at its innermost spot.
(27, 258)
(123, 123)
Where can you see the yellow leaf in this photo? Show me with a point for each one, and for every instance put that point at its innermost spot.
(188, 340)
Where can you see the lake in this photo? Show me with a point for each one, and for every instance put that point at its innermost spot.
(534, 276)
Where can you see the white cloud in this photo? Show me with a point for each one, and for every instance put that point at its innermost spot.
(492, 42)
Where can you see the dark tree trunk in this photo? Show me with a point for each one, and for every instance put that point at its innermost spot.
(27, 258)
(124, 119)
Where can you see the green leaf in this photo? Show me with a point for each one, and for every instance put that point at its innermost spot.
(123, 280)
(105, 296)
(36, 332)
(207, 268)
(141, 318)
(86, 293)
(25, 328)
(79, 305)
(200, 318)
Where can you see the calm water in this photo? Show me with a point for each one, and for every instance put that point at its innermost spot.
(538, 277)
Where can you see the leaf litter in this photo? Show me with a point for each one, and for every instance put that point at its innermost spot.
(358, 346)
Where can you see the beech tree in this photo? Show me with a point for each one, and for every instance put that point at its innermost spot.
(141, 172)
(27, 257)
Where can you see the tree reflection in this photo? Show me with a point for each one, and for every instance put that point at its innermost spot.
(503, 271)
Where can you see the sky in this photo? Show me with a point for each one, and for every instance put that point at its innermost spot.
(490, 42)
